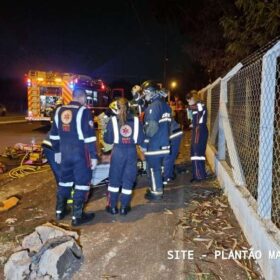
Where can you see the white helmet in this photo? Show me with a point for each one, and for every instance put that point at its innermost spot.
(150, 90)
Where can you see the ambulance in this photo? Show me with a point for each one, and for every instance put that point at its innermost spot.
(46, 90)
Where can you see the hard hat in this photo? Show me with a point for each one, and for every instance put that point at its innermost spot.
(135, 89)
(150, 89)
(121, 102)
(114, 107)
(192, 94)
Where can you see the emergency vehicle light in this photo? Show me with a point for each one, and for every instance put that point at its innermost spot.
(71, 85)
(28, 82)
(58, 80)
(40, 79)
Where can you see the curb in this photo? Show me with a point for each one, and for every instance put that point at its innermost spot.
(10, 122)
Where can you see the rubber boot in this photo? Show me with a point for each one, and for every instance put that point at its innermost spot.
(61, 207)
(79, 216)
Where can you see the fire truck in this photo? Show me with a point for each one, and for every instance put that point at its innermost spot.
(46, 89)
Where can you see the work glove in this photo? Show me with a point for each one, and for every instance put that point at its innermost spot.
(57, 158)
(93, 163)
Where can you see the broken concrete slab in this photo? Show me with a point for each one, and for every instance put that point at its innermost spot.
(60, 261)
(42, 233)
(18, 266)
(50, 252)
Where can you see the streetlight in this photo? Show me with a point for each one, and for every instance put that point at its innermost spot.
(173, 85)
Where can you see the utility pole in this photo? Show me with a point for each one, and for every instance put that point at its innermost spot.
(165, 58)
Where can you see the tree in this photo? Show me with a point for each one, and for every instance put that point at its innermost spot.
(198, 21)
(252, 24)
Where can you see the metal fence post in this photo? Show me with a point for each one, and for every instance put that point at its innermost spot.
(223, 100)
(268, 85)
(226, 131)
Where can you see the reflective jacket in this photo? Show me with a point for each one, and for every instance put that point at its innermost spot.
(73, 130)
(157, 128)
(199, 114)
(131, 133)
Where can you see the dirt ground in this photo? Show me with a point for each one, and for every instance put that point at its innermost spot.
(192, 217)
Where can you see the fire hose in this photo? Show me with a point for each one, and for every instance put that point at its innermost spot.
(24, 169)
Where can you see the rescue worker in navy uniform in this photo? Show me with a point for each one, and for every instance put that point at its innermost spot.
(169, 160)
(124, 131)
(157, 120)
(73, 140)
(199, 137)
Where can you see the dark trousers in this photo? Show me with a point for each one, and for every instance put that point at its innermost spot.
(169, 160)
(198, 149)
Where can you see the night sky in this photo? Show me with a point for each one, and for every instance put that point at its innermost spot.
(107, 39)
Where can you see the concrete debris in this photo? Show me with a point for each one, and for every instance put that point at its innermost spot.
(49, 253)
(10, 221)
(42, 233)
(17, 266)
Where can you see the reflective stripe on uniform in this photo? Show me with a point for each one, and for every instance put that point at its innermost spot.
(126, 191)
(54, 137)
(160, 152)
(79, 123)
(194, 112)
(71, 106)
(197, 158)
(165, 120)
(201, 118)
(90, 139)
(82, 187)
(66, 184)
(165, 147)
(176, 134)
(156, 193)
(56, 116)
(199, 107)
(115, 129)
(113, 189)
(153, 180)
(136, 129)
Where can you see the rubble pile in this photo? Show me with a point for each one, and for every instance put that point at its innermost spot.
(49, 253)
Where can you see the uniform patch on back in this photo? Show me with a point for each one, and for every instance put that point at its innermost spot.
(125, 130)
(66, 117)
(151, 110)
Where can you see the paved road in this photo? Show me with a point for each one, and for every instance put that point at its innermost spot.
(21, 133)
(12, 118)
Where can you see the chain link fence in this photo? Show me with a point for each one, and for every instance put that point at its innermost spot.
(244, 91)
(252, 128)
(214, 115)
(276, 153)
